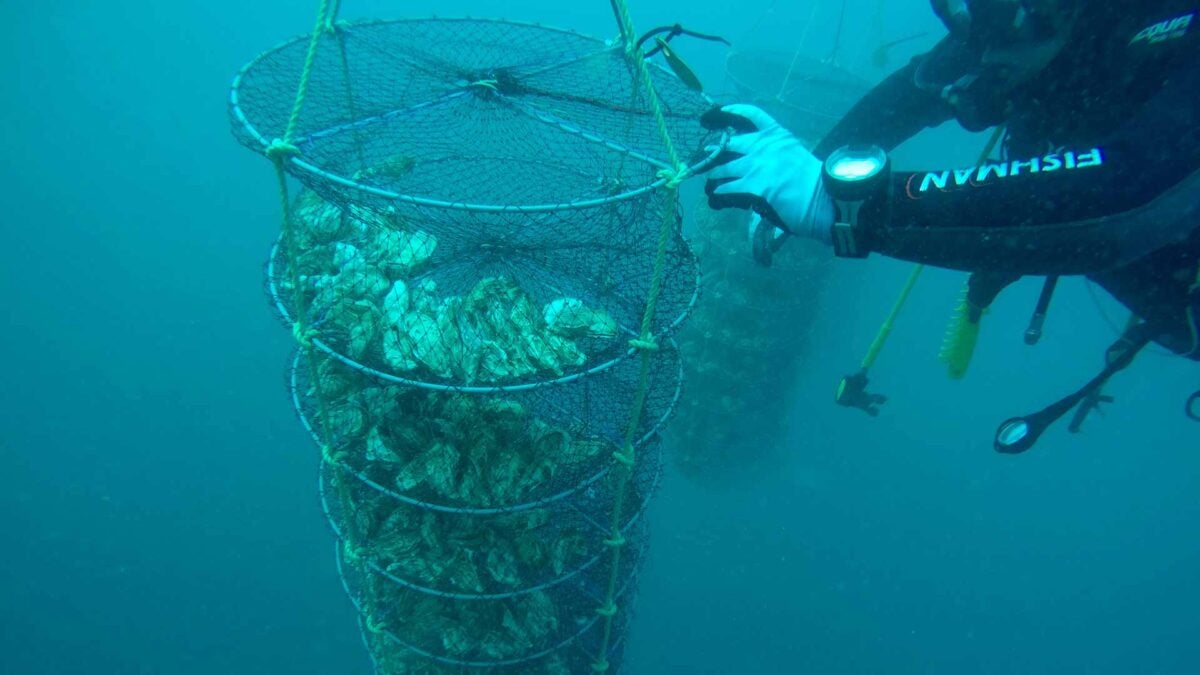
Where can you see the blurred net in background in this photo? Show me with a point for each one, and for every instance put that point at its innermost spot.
(805, 94)
(747, 340)
(483, 271)
(743, 350)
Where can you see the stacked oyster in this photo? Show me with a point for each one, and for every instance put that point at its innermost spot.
(468, 441)
(743, 348)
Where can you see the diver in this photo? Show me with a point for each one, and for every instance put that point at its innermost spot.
(1098, 175)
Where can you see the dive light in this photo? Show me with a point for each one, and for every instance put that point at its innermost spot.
(853, 175)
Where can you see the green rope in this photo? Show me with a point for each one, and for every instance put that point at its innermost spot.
(323, 21)
(645, 342)
(279, 152)
(633, 53)
(331, 19)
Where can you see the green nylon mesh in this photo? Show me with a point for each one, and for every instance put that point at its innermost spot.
(469, 258)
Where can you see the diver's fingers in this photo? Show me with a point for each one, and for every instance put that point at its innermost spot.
(752, 225)
(728, 187)
(755, 115)
(716, 119)
(735, 168)
(744, 144)
(718, 199)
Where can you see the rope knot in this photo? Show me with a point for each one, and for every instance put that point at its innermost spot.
(330, 457)
(600, 666)
(352, 554)
(674, 176)
(628, 47)
(615, 542)
(280, 150)
(332, 25)
(608, 610)
(303, 335)
(644, 343)
(625, 457)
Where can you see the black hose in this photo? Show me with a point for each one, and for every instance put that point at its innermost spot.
(672, 33)
(1034, 332)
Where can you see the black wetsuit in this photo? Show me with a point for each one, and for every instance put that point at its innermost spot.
(1100, 173)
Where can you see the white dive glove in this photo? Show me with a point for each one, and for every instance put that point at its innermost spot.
(765, 168)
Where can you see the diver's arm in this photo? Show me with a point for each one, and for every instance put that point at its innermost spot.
(1073, 212)
(891, 113)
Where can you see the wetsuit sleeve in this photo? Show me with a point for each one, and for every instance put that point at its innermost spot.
(1078, 211)
(891, 113)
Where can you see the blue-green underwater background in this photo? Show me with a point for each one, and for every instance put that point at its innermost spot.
(159, 498)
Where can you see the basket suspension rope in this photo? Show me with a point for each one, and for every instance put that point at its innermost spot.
(279, 151)
(323, 21)
(282, 149)
(331, 17)
(645, 342)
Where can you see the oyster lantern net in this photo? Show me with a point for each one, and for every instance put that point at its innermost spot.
(466, 264)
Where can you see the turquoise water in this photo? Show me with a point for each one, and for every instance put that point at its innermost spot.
(161, 513)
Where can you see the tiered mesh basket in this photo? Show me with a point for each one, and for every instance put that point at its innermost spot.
(466, 268)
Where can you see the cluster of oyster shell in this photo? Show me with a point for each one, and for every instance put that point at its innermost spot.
(364, 272)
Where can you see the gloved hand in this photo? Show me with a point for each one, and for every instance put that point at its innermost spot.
(765, 168)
